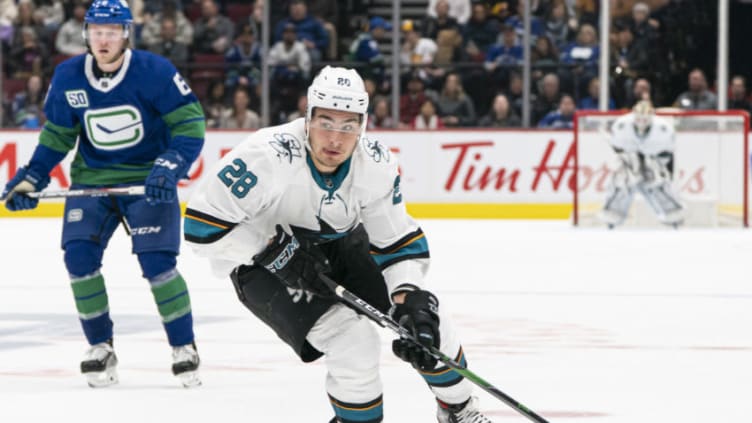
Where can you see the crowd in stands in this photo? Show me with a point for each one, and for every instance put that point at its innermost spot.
(460, 62)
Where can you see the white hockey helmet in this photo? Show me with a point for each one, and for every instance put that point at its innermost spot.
(341, 89)
(643, 113)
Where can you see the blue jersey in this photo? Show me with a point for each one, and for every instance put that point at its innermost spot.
(122, 122)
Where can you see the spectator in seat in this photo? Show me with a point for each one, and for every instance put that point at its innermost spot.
(738, 98)
(213, 32)
(698, 97)
(459, 10)
(582, 56)
(446, 32)
(501, 115)
(365, 48)
(8, 14)
(427, 118)
(381, 117)
(291, 68)
(420, 51)
(562, 117)
(257, 18)
(592, 100)
(327, 13)
(309, 30)
(243, 59)
(549, 97)
(501, 59)
(514, 94)
(557, 25)
(29, 16)
(29, 56)
(454, 106)
(412, 100)
(214, 103)
(544, 57)
(480, 33)
(239, 116)
(642, 25)
(69, 40)
(169, 47)
(640, 91)
(150, 35)
(629, 59)
(441, 20)
(290, 57)
(28, 105)
(517, 21)
(51, 13)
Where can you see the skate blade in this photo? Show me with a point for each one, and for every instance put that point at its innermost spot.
(189, 379)
(101, 379)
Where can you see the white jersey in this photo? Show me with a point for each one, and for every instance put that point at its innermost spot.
(658, 138)
(269, 179)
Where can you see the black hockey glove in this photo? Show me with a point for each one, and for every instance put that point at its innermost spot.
(296, 265)
(420, 315)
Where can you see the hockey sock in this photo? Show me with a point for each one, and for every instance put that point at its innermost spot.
(93, 308)
(367, 412)
(444, 376)
(174, 304)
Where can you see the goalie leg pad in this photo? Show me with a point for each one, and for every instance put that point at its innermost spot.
(664, 203)
(617, 205)
(351, 347)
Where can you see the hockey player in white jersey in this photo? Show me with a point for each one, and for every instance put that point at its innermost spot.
(316, 195)
(644, 144)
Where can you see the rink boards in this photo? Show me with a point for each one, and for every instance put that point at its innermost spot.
(445, 174)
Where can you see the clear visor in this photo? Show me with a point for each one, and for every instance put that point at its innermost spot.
(105, 33)
(350, 128)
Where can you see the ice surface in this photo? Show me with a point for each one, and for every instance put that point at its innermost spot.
(585, 325)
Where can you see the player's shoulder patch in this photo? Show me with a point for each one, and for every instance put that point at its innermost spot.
(377, 151)
(286, 145)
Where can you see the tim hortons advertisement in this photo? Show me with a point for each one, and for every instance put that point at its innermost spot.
(473, 168)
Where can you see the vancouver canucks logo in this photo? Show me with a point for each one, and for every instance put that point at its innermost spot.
(286, 146)
(114, 128)
(377, 151)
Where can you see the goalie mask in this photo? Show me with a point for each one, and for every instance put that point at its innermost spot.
(340, 89)
(643, 113)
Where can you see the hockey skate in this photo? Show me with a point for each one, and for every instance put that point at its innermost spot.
(185, 363)
(99, 365)
(461, 413)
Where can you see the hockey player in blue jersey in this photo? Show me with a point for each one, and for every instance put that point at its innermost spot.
(136, 122)
(330, 199)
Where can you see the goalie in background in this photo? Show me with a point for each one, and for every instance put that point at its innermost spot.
(644, 144)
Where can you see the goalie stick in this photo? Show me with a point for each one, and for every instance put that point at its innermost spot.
(386, 321)
(89, 192)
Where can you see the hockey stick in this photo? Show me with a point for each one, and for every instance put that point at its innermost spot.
(386, 321)
(89, 192)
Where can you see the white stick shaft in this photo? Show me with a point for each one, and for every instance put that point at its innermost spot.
(89, 192)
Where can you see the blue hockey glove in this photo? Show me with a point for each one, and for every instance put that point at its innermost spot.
(296, 265)
(26, 180)
(419, 314)
(162, 183)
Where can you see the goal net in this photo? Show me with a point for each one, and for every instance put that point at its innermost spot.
(710, 168)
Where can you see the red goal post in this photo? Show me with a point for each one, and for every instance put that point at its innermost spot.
(711, 167)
